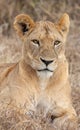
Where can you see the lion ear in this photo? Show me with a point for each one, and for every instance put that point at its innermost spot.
(23, 24)
(64, 23)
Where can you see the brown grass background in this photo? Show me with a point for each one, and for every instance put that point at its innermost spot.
(10, 44)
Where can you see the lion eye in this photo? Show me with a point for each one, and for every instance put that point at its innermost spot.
(56, 43)
(36, 42)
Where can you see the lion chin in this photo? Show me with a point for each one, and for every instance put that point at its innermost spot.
(46, 73)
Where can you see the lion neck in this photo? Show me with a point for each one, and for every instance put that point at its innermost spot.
(44, 78)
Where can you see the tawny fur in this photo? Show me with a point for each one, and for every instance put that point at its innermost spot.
(27, 93)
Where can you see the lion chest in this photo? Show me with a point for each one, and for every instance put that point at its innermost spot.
(39, 107)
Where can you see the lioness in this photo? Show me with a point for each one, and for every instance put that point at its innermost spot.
(39, 82)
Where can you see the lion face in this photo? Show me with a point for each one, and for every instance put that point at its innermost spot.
(44, 42)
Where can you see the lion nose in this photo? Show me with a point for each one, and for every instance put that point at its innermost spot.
(46, 62)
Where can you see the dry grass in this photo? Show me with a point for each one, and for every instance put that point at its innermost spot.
(10, 45)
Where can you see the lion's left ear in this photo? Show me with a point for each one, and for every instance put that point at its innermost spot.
(22, 24)
(64, 23)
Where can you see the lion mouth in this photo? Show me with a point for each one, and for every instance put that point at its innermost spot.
(46, 69)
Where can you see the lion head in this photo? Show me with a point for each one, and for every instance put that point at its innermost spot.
(43, 42)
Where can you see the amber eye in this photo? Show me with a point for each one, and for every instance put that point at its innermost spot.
(36, 42)
(56, 43)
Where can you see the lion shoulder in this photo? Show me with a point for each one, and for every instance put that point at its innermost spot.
(5, 69)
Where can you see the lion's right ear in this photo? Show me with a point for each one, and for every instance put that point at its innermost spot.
(23, 24)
